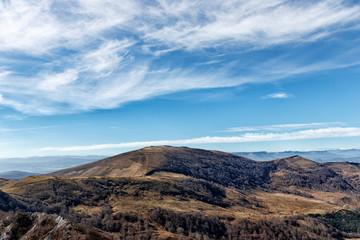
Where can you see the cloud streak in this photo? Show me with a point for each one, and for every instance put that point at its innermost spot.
(331, 132)
(25, 129)
(280, 95)
(283, 127)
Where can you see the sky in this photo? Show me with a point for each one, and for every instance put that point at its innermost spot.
(85, 77)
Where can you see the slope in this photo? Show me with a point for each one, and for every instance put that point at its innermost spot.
(300, 172)
(178, 192)
(219, 167)
(8, 203)
(349, 171)
(4, 181)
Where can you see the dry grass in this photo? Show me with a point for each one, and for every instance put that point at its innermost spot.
(289, 204)
(253, 205)
(340, 199)
(4, 181)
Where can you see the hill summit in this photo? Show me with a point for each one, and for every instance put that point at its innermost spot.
(219, 167)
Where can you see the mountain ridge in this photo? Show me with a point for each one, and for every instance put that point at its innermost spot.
(337, 155)
(220, 167)
(185, 193)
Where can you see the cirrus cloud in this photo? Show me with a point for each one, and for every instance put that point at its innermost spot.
(79, 55)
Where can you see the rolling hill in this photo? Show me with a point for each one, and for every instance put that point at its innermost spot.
(4, 181)
(184, 193)
(301, 172)
(222, 168)
(219, 167)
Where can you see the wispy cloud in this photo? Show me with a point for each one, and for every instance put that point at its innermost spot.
(26, 129)
(14, 117)
(277, 95)
(253, 23)
(331, 132)
(209, 62)
(284, 127)
(41, 26)
(82, 55)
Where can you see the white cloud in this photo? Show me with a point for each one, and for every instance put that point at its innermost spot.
(100, 54)
(4, 73)
(14, 117)
(53, 82)
(331, 132)
(106, 58)
(198, 24)
(282, 127)
(39, 27)
(277, 95)
(25, 129)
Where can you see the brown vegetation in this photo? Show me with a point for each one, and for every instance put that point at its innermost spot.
(182, 193)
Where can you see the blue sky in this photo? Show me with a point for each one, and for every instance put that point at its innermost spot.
(103, 77)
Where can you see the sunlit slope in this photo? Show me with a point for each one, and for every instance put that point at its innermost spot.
(219, 167)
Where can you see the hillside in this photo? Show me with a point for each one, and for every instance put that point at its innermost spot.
(4, 181)
(45, 226)
(219, 167)
(349, 171)
(162, 203)
(185, 193)
(303, 173)
(8, 203)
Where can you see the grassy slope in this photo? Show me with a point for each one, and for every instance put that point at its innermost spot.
(4, 181)
(166, 190)
(174, 180)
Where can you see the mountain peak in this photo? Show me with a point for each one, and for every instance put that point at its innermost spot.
(297, 162)
(223, 168)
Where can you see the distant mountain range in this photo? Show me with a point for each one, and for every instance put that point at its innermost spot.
(44, 164)
(16, 175)
(185, 193)
(350, 155)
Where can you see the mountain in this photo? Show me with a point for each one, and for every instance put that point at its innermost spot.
(349, 171)
(185, 193)
(350, 155)
(301, 172)
(219, 167)
(222, 168)
(8, 203)
(16, 174)
(4, 181)
(44, 164)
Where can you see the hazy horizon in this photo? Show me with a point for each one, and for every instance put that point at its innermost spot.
(47, 164)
